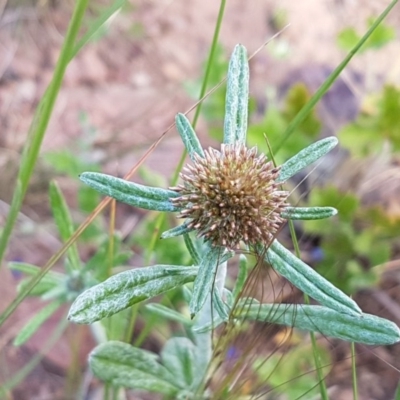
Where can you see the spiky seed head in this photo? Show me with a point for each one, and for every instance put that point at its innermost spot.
(231, 196)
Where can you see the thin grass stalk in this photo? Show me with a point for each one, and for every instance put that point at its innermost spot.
(317, 359)
(354, 371)
(40, 123)
(36, 359)
(331, 79)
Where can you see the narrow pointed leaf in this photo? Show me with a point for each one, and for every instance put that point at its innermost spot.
(365, 328)
(203, 284)
(308, 213)
(307, 280)
(149, 198)
(48, 283)
(35, 323)
(121, 364)
(176, 231)
(242, 276)
(237, 97)
(306, 157)
(63, 220)
(128, 288)
(189, 137)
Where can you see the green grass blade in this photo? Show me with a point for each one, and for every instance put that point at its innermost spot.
(63, 220)
(39, 124)
(96, 25)
(36, 322)
(331, 79)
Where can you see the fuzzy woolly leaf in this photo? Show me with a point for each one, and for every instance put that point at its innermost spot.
(128, 288)
(203, 284)
(306, 157)
(188, 136)
(364, 328)
(237, 97)
(149, 198)
(307, 280)
(121, 364)
(308, 213)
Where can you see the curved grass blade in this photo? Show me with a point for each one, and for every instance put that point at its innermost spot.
(36, 322)
(331, 79)
(39, 124)
(63, 220)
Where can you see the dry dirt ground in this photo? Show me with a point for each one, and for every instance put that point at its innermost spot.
(129, 84)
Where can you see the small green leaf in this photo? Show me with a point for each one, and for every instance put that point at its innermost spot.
(35, 323)
(188, 136)
(237, 97)
(49, 282)
(364, 328)
(149, 198)
(96, 25)
(310, 282)
(306, 157)
(307, 213)
(179, 357)
(205, 278)
(63, 220)
(128, 288)
(176, 231)
(121, 364)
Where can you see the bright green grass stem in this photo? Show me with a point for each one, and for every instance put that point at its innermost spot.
(39, 124)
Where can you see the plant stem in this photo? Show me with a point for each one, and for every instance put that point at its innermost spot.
(39, 124)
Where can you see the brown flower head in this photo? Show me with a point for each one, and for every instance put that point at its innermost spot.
(230, 196)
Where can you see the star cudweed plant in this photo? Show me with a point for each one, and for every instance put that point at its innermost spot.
(229, 199)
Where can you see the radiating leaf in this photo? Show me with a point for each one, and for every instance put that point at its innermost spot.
(237, 97)
(364, 328)
(149, 198)
(308, 213)
(306, 157)
(188, 136)
(307, 280)
(128, 288)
